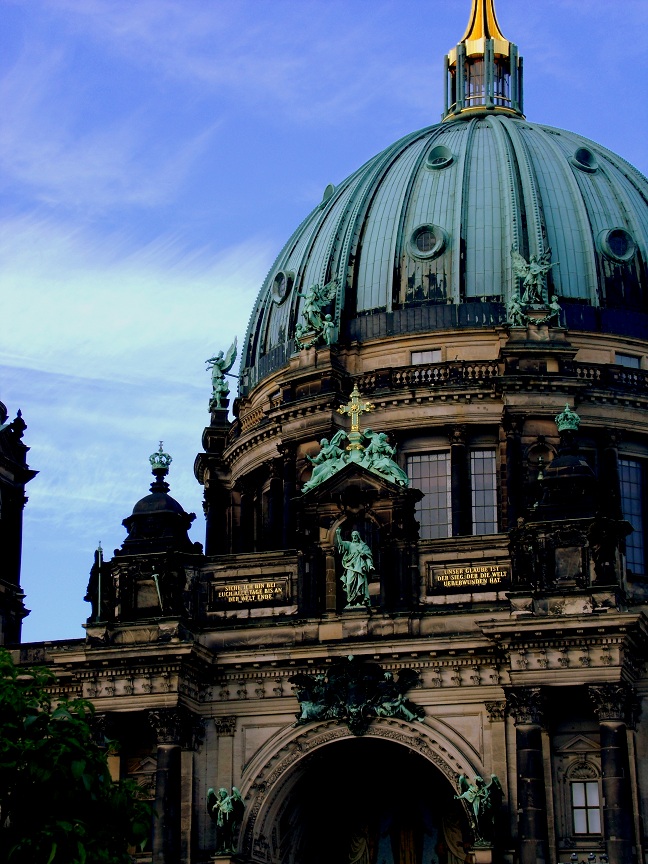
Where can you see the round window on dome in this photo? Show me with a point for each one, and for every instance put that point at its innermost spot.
(617, 244)
(585, 160)
(439, 157)
(428, 241)
(281, 285)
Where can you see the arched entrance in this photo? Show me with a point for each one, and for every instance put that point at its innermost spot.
(363, 800)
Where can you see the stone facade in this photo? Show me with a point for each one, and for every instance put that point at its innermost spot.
(507, 599)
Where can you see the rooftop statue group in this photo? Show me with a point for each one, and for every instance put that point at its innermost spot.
(226, 811)
(317, 326)
(377, 455)
(220, 366)
(534, 281)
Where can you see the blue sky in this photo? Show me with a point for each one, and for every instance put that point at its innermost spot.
(156, 154)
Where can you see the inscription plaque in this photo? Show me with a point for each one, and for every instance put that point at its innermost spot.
(468, 577)
(265, 592)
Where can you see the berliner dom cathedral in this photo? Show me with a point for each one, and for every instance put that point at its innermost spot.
(416, 633)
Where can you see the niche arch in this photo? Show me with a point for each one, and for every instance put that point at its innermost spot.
(277, 770)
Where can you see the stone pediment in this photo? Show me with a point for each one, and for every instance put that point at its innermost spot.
(580, 744)
(356, 477)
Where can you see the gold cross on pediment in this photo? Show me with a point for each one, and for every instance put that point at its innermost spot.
(355, 408)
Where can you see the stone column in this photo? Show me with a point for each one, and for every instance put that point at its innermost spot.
(104, 729)
(612, 704)
(514, 481)
(287, 452)
(273, 519)
(246, 525)
(526, 706)
(168, 724)
(460, 483)
(609, 480)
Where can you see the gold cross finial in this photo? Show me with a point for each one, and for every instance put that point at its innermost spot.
(355, 408)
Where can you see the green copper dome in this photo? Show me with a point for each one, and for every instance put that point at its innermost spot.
(429, 225)
(434, 232)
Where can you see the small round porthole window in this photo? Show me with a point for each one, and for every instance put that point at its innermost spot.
(281, 285)
(585, 160)
(617, 244)
(428, 241)
(439, 157)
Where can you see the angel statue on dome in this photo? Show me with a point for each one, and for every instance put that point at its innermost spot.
(220, 366)
(533, 275)
(316, 326)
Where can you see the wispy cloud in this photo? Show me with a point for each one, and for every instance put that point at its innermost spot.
(50, 142)
(90, 304)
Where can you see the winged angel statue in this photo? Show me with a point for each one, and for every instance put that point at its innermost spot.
(533, 274)
(316, 325)
(483, 801)
(226, 811)
(220, 366)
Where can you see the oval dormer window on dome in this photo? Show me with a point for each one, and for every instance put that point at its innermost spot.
(617, 244)
(585, 160)
(282, 285)
(428, 241)
(328, 193)
(439, 157)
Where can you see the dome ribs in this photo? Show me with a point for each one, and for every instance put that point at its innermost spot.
(563, 246)
(497, 182)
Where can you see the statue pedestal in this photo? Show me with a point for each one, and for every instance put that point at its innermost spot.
(482, 854)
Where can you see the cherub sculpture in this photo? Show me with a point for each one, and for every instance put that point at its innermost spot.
(220, 366)
(515, 315)
(533, 274)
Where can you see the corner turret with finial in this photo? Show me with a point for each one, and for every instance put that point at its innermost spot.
(484, 71)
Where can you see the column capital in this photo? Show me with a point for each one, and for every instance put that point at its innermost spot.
(615, 701)
(513, 424)
(103, 727)
(177, 726)
(526, 704)
(496, 710)
(457, 435)
(287, 450)
(225, 726)
(612, 438)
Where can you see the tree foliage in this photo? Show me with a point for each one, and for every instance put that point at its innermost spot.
(58, 804)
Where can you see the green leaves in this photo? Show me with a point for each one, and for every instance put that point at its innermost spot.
(58, 804)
